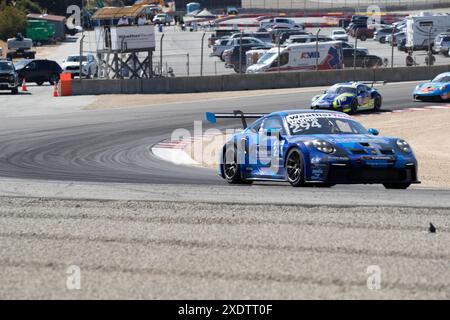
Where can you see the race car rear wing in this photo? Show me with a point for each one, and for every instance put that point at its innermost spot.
(237, 114)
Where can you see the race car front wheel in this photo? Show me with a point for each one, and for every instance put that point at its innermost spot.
(231, 168)
(400, 186)
(294, 168)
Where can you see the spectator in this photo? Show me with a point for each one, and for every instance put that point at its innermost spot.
(142, 20)
(123, 21)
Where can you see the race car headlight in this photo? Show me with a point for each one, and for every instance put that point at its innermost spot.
(404, 146)
(323, 146)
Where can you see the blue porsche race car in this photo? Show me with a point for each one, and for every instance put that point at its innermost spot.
(316, 148)
(348, 97)
(437, 89)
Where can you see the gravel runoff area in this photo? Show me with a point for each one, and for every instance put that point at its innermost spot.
(425, 130)
(205, 250)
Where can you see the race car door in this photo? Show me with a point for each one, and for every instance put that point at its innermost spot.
(269, 148)
(364, 97)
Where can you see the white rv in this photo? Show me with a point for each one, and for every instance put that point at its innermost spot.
(421, 30)
(302, 56)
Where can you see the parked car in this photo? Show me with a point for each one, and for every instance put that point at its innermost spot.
(232, 11)
(307, 39)
(346, 45)
(89, 66)
(281, 22)
(263, 36)
(363, 33)
(38, 71)
(220, 33)
(9, 79)
(363, 60)
(441, 43)
(339, 35)
(381, 34)
(219, 47)
(233, 57)
(283, 35)
(398, 37)
(163, 18)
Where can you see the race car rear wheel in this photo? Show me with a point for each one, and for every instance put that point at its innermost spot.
(377, 104)
(354, 106)
(400, 186)
(231, 167)
(294, 168)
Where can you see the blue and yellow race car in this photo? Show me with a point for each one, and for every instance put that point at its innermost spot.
(348, 97)
(436, 90)
(316, 148)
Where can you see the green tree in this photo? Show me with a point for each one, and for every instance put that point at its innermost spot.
(12, 21)
(28, 6)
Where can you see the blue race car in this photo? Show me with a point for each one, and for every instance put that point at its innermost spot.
(438, 89)
(318, 148)
(348, 97)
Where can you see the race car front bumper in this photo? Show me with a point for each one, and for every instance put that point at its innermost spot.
(365, 169)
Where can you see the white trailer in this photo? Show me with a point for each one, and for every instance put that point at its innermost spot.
(421, 30)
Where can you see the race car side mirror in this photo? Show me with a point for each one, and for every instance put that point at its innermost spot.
(373, 131)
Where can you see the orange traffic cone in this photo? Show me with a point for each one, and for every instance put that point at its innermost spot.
(55, 90)
(24, 85)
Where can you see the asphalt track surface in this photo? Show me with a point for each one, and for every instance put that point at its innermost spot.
(161, 231)
(113, 145)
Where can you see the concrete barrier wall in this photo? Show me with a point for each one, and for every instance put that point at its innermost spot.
(253, 81)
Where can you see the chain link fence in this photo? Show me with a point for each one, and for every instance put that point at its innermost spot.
(340, 4)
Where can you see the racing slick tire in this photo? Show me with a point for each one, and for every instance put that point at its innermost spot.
(383, 40)
(354, 106)
(377, 104)
(295, 168)
(231, 168)
(363, 37)
(40, 83)
(15, 90)
(399, 186)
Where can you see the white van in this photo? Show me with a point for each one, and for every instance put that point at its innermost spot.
(302, 56)
(423, 29)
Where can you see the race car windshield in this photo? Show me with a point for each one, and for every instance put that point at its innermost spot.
(322, 124)
(6, 66)
(341, 90)
(442, 78)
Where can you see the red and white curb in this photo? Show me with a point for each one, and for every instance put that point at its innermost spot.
(174, 150)
(427, 108)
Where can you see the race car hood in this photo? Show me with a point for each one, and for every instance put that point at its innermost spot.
(349, 142)
(430, 87)
(330, 97)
